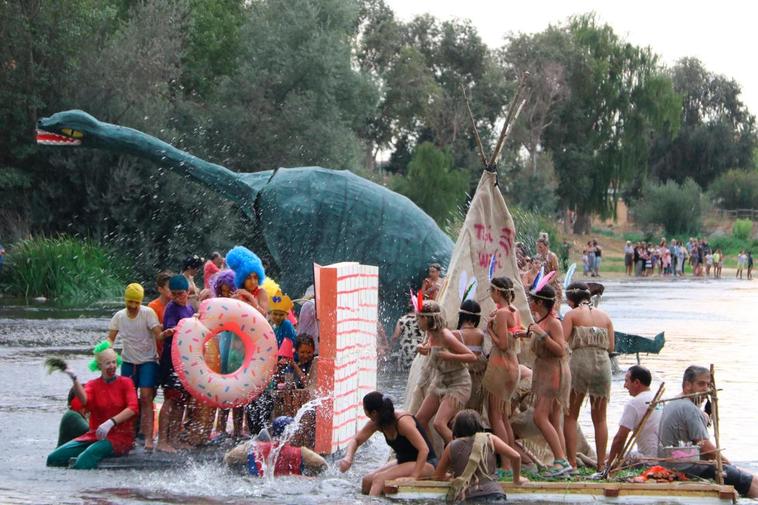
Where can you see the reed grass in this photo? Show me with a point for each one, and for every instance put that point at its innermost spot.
(68, 270)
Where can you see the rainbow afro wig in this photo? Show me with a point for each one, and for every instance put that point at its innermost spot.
(222, 278)
(102, 346)
(244, 262)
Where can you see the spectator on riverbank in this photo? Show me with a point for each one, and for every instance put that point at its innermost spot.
(2, 258)
(598, 257)
(741, 264)
(749, 265)
(628, 258)
(718, 260)
(565, 253)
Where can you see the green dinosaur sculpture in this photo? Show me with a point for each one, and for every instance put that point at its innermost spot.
(303, 214)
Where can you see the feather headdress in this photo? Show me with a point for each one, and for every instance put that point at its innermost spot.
(467, 287)
(417, 300)
(491, 270)
(544, 281)
(569, 275)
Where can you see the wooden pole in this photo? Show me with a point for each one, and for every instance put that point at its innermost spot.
(691, 395)
(479, 146)
(633, 438)
(716, 434)
(513, 112)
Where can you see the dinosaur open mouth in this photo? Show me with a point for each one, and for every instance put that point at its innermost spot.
(54, 139)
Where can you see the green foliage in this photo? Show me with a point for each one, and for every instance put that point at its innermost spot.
(69, 270)
(530, 224)
(296, 98)
(674, 207)
(742, 229)
(599, 134)
(735, 189)
(718, 132)
(432, 182)
(213, 43)
(258, 84)
(532, 188)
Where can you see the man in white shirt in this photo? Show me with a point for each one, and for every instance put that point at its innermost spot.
(637, 382)
(139, 328)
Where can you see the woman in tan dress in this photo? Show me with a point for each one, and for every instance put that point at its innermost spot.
(590, 333)
(502, 375)
(551, 377)
(469, 316)
(450, 386)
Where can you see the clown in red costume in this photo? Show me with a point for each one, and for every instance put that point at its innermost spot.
(112, 402)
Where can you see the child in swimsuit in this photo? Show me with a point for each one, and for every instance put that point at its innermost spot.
(502, 375)
(450, 388)
(590, 340)
(403, 433)
(468, 332)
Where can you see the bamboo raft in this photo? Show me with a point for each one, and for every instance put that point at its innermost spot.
(579, 492)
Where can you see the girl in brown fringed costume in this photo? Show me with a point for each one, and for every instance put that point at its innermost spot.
(450, 386)
(551, 378)
(472, 337)
(502, 375)
(590, 333)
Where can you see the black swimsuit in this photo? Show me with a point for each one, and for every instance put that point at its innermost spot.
(404, 449)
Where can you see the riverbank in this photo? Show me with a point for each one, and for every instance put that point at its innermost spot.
(612, 265)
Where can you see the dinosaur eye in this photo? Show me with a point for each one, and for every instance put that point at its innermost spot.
(72, 133)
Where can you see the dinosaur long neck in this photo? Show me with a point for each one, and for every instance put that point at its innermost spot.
(221, 179)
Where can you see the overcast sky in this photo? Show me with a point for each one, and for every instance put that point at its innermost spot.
(722, 34)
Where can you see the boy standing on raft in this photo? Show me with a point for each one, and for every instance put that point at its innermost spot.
(174, 394)
(139, 329)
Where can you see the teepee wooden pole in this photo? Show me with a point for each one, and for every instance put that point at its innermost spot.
(519, 100)
(479, 146)
(716, 434)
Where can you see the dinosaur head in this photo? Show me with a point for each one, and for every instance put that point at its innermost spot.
(69, 128)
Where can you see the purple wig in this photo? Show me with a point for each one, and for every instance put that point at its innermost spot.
(222, 278)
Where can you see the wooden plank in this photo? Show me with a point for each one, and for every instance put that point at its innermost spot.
(606, 489)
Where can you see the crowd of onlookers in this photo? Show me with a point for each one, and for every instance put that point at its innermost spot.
(645, 259)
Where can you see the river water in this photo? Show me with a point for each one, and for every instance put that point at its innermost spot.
(705, 322)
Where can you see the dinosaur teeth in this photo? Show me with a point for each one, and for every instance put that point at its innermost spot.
(53, 139)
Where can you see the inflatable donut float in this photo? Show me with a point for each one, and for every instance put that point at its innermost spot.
(209, 386)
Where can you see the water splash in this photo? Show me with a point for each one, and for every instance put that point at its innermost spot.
(269, 464)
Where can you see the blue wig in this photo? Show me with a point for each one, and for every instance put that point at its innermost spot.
(244, 262)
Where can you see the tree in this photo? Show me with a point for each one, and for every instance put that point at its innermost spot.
(432, 182)
(674, 207)
(717, 133)
(296, 98)
(543, 58)
(599, 137)
(420, 67)
(735, 189)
